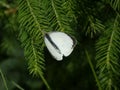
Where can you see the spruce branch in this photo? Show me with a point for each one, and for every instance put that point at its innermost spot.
(93, 70)
(4, 80)
(32, 19)
(59, 15)
(115, 4)
(36, 16)
(93, 27)
(107, 56)
(18, 86)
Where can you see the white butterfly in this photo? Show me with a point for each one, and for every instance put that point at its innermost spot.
(59, 44)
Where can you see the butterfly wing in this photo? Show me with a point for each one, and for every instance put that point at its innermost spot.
(52, 49)
(63, 41)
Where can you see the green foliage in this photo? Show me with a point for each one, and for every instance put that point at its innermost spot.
(107, 56)
(3, 79)
(60, 15)
(96, 26)
(36, 17)
(114, 3)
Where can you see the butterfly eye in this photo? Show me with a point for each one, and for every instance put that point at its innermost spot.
(59, 44)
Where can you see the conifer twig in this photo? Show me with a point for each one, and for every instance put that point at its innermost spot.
(4, 81)
(92, 68)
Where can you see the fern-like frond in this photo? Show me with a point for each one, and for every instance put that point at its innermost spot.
(59, 15)
(107, 56)
(35, 16)
(32, 19)
(69, 6)
(33, 24)
(93, 27)
(114, 3)
(34, 55)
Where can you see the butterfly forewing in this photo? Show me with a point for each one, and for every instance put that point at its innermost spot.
(54, 52)
(63, 41)
(59, 44)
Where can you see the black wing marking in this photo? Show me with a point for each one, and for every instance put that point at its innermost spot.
(51, 41)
